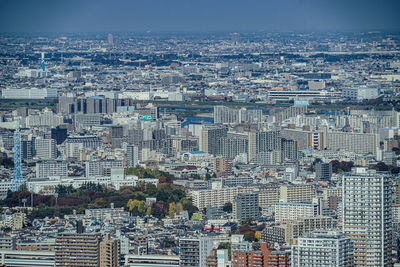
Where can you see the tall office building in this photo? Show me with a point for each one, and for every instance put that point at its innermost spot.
(77, 249)
(194, 252)
(132, 156)
(367, 216)
(246, 207)
(323, 248)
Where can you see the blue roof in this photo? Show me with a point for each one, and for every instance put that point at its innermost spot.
(197, 152)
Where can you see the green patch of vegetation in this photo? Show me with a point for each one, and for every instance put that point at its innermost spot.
(92, 196)
(6, 104)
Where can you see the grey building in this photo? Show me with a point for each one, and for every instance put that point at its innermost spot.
(246, 207)
(45, 148)
(209, 137)
(323, 171)
(51, 168)
(85, 121)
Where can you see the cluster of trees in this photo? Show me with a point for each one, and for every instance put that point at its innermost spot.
(170, 200)
(250, 233)
(341, 166)
(92, 195)
(381, 166)
(68, 190)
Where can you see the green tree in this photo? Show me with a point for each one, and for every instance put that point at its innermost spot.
(257, 236)
(148, 211)
(171, 210)
(179, 207)
(137, 207)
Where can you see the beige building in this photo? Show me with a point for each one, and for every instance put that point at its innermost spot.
(307, 225)
(77, 249)
(291, 193)
(19, 220)
(301, 193)
(216, 197)
(109, 252)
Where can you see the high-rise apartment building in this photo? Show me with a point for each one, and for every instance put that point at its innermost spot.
(323, 248)
(229, 115)
(290, 231)
(367, 215)
(296, 193)
(132, 156)
(222, 166)
(216, 197)
(263, 142)
(77, 249)
(194, 252)
(225, 115)
(295, 211)
(209, 137)
(109, 252)
(289, 150)
(27, 150)
(233, 144)
(357, 142)
(246, 207)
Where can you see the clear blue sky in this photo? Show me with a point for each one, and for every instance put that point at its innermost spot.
(199, 15)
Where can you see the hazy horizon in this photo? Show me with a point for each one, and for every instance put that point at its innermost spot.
(203, 16)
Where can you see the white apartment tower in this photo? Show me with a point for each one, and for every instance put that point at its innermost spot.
(323, 248)
(367, 216)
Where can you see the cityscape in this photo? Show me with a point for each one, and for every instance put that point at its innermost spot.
(228, 146)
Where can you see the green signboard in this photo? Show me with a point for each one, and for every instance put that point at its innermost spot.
(145, 117)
